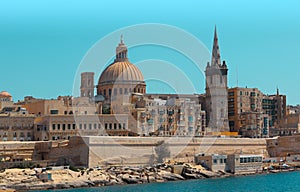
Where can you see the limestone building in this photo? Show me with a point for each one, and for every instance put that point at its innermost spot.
(242, 100)
(216, 91)
(16, 127)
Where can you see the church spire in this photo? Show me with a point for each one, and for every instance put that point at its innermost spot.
(216, 58)
(121, 51)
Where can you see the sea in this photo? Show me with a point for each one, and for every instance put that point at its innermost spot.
(286, 182)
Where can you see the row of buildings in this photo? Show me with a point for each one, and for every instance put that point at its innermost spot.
(121, 107)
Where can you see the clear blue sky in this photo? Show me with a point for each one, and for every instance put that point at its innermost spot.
(42, 42)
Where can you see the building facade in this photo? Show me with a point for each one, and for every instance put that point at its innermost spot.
(16, 127)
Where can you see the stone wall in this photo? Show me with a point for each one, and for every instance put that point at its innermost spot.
(283, 146)
(135, 150)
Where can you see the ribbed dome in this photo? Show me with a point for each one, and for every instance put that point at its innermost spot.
(5, 94)
(121, 72)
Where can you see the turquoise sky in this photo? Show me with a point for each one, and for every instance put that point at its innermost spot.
(43, 42)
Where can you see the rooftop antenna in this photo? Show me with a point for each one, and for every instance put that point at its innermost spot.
(237, 76)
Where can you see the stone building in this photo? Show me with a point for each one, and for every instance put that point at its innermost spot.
(254, 125)
(5, 96)
(275, 107)
(40, 107)
(248, 107)
(284, 146)
(5, 100)
(242, 100)
(233, 163)
(87, 84)
(16, 127)
(57, 127)
(290, 126)
(173, 116)
(214, 162)
(216, 91)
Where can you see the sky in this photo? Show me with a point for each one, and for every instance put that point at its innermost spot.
(43, 42)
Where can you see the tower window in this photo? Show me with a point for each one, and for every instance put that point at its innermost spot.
(211, 79)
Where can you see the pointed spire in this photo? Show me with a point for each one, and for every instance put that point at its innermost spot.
(121, 39)
(216, 58)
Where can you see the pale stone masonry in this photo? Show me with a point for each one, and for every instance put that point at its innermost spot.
(216, 91)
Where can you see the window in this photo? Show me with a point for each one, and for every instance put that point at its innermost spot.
(95, 126)
(115, 126)
(105, 126)
(53, 112)
(115, 91)
(80, 126)
(90, 126)
(231, 94)
(74, 126)
(53, 126)
(104, 92)
(109, 92)
(124, 126)
(120, 91)
(215, 161)
(69, 126)
(84, 126)
(110, 126)
(126, 91)
(64, 126)
(58, 126)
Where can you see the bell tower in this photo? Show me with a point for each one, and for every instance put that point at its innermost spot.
(216, 91)
(87, 84)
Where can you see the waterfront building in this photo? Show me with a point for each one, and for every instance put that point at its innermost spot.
(214, 162)
(244, 163)
(233, 163)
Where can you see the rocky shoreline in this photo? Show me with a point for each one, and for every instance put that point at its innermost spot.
(26, 179)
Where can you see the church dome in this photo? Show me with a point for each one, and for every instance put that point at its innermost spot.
(5, 94)
(121, 70)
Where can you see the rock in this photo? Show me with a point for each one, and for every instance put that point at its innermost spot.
(62, 186)
(191, 176)
(171, 176)
(129, 179)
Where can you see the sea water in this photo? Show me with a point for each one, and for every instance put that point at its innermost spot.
(286, 182)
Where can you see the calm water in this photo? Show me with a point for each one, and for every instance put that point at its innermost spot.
(285, 182)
